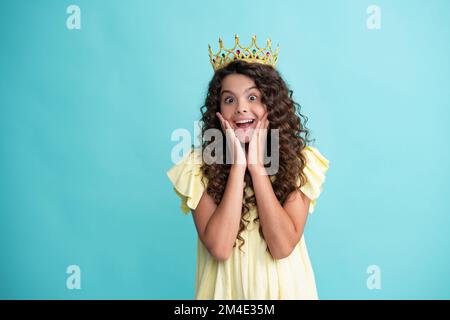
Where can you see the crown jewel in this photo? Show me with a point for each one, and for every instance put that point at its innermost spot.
(252, 53)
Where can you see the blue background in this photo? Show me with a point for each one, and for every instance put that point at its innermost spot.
(86, 118)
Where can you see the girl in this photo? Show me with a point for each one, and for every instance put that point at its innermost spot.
(250, 224)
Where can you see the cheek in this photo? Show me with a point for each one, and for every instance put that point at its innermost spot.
(260, 111)
(226, 113)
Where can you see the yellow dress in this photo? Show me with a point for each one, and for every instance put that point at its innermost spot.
(252, 274)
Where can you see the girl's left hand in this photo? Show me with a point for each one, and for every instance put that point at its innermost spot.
(257, 146)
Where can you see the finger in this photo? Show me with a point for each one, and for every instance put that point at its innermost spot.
(256, 131)
(264, 120)
(222, 121)
(219, 116)
(258, 125)
(227, 124)
(228, 129)
(263, 128)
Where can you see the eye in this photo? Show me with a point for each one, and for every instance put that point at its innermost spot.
(228, 100)
(253, 97)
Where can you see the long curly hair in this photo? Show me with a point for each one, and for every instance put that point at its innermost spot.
(283, 114)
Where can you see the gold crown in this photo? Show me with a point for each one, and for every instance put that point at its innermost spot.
(252, 53)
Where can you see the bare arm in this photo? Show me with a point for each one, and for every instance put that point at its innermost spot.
(218, 226)
(282, 226)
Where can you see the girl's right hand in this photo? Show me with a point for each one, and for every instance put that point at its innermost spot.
(237, 151)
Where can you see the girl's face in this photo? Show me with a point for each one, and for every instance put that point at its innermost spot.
(241, 105)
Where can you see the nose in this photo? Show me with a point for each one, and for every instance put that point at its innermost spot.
(241, 108)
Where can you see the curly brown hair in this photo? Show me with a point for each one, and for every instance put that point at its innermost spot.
(283, 114)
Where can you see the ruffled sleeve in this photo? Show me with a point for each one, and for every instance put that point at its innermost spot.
(314, 170)
(186, 178)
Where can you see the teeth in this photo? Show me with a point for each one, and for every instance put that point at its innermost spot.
(244, 121)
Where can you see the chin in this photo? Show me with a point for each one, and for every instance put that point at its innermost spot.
(244, 136)
(244, 140)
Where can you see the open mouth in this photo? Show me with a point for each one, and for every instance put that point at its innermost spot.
(243, 124)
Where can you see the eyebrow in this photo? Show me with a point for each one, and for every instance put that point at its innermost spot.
(254, 87)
